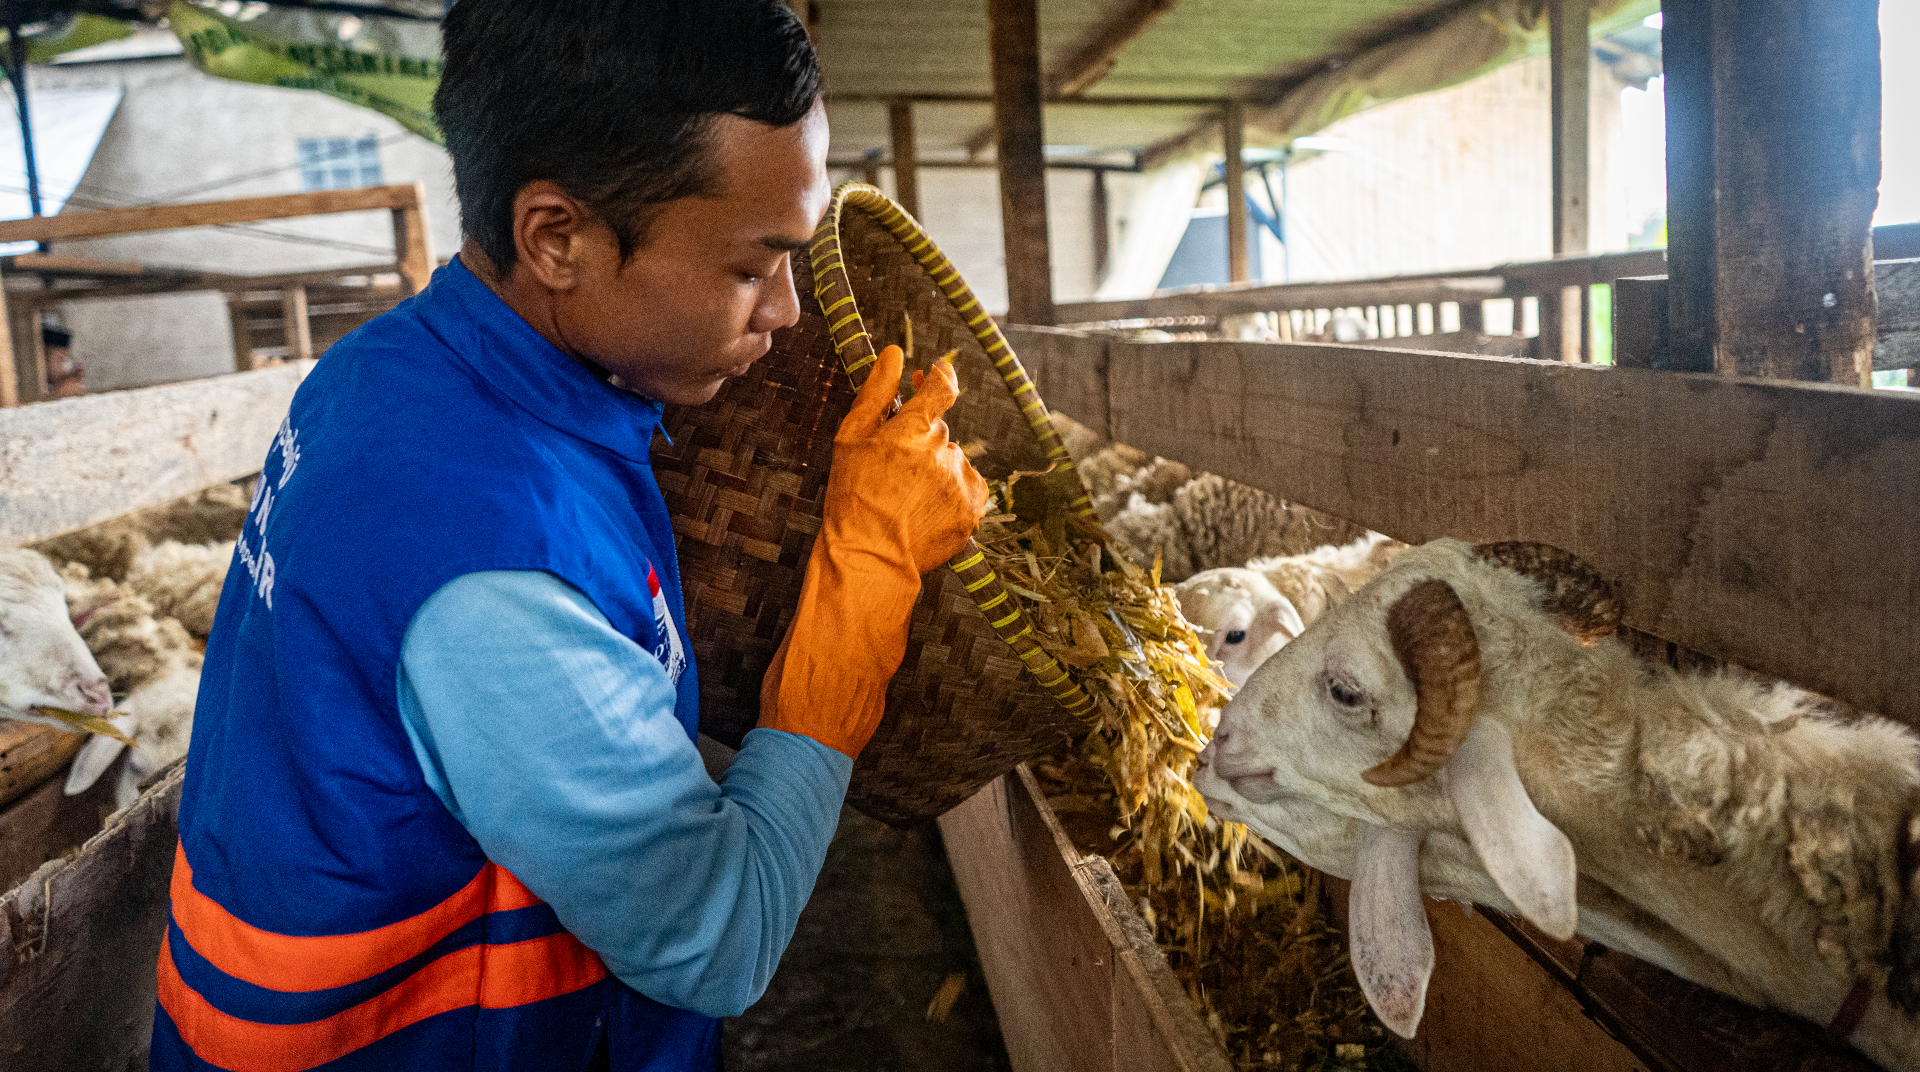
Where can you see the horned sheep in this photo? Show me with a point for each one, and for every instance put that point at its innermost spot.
(1468, 719)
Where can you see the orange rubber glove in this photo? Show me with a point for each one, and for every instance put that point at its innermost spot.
(901, 500)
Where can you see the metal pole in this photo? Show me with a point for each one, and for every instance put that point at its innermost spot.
(17, 74)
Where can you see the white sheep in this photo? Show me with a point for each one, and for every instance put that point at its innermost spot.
(133, 644)
(43, 661)
(1737, 832)
(158, 715)
(183, 581)
(1251, 612)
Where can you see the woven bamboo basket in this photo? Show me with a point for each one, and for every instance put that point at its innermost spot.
(745, 479)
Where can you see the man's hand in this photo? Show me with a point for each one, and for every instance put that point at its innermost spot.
(901, 499)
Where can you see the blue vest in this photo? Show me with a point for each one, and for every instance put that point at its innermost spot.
(327, 910)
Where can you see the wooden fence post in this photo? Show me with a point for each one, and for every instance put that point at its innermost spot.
(242, 336)
(1013, 30)
(9, 378)
(1773, 168)
(1561, 323)
(906, 157)
(1233, 135)
(293, 313)
(29, 351)
(412, 249)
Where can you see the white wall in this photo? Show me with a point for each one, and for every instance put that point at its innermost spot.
(1457, 178)
(183, 135)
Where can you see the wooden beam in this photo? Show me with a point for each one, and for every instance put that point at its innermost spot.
(1014, 37)
(1773, 172)
(870, 169)
(243, 359)
(97, 457)
(906, 157)
(293, 313)
(1724, 515)
(1089, 59)
(29, 348)
(1569, 61)
(116, 221)
(1105, 100)
(232, 284)
(1233, 136)
(412, 247)
(1102, 227)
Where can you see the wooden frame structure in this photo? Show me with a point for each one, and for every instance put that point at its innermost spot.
(21, 365)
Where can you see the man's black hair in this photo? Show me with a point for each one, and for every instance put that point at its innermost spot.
(610, 99)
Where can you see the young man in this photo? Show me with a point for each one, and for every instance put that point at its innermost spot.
(444, 809)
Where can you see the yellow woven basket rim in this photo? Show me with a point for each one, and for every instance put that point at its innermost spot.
(854, 347)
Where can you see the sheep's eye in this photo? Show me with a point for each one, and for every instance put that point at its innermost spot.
(1237, 636)
(1343, 694)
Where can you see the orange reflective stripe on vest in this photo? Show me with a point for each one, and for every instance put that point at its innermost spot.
(487, 976)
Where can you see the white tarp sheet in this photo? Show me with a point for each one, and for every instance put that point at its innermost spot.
(67, 127)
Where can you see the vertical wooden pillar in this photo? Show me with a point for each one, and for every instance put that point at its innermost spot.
(1014, 37)
(412, 249)
(1102, 227)
(29, 351)
(906, 157)
(1233, 134)
(1773, 164)
(293, 313)
(870, 168)
(9, 378)
(242, 336)
(1569, 69)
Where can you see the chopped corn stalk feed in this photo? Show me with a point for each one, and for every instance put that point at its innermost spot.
(1120, 634)
(86, 723)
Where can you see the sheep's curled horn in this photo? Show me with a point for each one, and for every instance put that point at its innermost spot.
(1576, 593)
(1433, 639)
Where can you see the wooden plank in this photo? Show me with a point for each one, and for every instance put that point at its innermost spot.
(1724, 511)
(906, 157)
(114, 221)
(30, 754)
(1013, 30)
(80, 939)
(1068, 369)
(412, 247)
(1491, 1008)
(73, 463)
(1077, 982)
(1228, 301)
(46, 822)
(1044, 954)
(232, 284)
(1233, 137)
(293, 312)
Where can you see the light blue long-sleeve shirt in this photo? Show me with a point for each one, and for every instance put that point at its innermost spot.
(551, 737)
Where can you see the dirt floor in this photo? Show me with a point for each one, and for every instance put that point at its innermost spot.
(882, 937)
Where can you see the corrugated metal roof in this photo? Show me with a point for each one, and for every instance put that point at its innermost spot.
(1260, 51)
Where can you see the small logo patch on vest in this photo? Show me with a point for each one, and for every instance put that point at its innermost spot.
(668, 649)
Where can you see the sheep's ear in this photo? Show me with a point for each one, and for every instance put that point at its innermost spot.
(1529, 858)
(1391, 948)
(1287, 618)
(95, 757)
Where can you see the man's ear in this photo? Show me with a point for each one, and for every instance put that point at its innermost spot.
(550, 232)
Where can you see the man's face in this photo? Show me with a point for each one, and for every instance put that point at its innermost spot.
(699, 302)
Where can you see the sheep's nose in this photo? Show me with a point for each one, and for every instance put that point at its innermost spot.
(99, 698)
